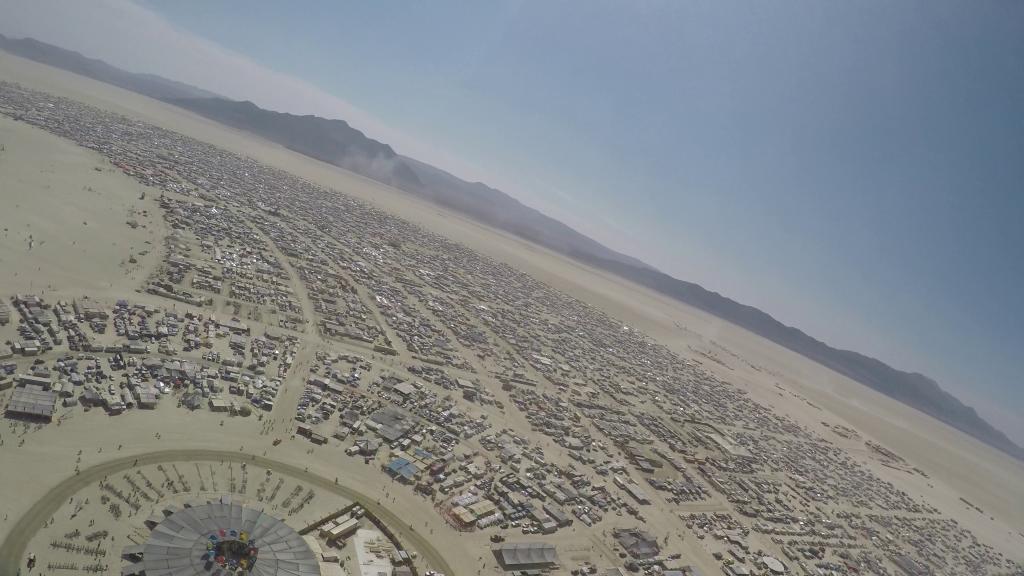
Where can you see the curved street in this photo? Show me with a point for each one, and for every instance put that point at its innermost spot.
(13, 549)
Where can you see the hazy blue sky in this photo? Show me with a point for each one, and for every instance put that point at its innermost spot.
(854, 168)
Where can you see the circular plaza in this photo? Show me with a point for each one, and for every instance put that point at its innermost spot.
(224, 537)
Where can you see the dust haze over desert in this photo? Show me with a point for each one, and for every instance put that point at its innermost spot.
(241, 340)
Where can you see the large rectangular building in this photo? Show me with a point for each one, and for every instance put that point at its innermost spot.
(339, 529)
(90, 309)
(30, 380)
(525, 555)
(33, 401)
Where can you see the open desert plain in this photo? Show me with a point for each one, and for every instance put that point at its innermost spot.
(221, 356)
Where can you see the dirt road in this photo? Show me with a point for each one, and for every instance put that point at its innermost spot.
(13, 550)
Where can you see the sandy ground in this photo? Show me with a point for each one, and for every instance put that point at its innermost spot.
(95, 518)
(957, 465)
(187, 438)
(68, 227)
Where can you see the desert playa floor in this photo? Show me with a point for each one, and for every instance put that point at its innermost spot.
(956, 465)
(64, 217)
(214, 456)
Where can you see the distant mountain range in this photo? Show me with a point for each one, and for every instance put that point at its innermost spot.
(912, 389)
(147, 84)
(331, 141)
(335, 142)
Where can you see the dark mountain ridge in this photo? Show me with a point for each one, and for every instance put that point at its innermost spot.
(913, 389)
(331, 141)
(150, 85)
(335, 142)
(502, 211)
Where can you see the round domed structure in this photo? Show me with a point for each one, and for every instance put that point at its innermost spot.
(774, 565)
(228, 538)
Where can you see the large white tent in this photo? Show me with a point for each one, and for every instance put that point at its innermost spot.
(179, 545)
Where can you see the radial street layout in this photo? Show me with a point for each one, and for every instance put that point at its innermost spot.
(12, 550)
(479, 394)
